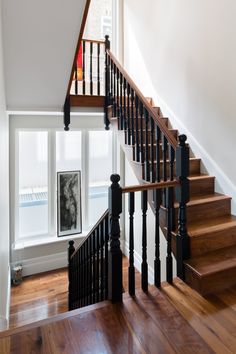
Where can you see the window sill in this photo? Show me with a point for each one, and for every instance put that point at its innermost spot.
(21, 244)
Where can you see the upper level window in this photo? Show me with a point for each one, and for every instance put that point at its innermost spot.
(39, 155)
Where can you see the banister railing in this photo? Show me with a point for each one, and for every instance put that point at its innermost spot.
(115, 69)
(88, 267)
(88, 77)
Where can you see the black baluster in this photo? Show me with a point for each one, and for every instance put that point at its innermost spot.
(144, 266)
(128, 116)
(164, 164)
(76, 78)
(115, 93)
(152, 152)
(91, 68)
(107, 83)
(106, 227)
(71, 250)
(83, 275)
(94, 268)
(67, 113)
(90, 271)
(80, 279)
(182, 196)
(132, 118)
(118, 97)
(169, 260)
(158, 157)
(142, 125)
(98, 69)
(121, 103)
(111, 83)
(84, 68)
(86, 273)
(115, 254)
(131, 245)
(147, 162)
(157, 262)
(125, 109)
(172, 163)
(98, 264)
(137, 140)
(101, 232)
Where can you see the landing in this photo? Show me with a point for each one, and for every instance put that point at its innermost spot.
(173, 320)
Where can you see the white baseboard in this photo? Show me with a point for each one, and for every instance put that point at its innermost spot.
(222, 183)
(43, 264)
(138, 262)
(4, 319)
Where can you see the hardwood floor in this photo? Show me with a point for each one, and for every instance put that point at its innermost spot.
(44, 295)
(174, 319)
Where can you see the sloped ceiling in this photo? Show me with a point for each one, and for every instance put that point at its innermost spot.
(39, 41)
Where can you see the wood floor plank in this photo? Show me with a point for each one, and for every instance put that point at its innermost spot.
(148, 333)
(209, 330)
(175, 327)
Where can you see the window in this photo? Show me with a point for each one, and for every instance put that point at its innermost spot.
(33, 183)
(39, 156)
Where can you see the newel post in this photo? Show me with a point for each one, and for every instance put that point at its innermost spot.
(114, 253)
(107, 83)
(182, 196)
(71, 250)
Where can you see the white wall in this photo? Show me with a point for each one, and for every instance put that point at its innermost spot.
(183, 53)
(4, 198)
(39, 40)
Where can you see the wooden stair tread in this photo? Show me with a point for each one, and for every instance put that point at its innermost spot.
(212, 225)
(218, 261)
(207, 198)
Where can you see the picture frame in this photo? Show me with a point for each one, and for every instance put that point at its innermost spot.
(69, 214)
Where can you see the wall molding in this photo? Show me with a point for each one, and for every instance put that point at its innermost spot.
(4, 319)
(42, 264)
(222, 183)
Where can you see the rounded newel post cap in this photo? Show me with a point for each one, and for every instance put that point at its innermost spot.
(106, 37)
(66, 129)
(182, 139)
(71, 243)
(115, 178)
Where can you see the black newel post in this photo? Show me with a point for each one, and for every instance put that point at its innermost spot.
(182, 196)
(107, 83)
(115, 254)
(71, 250)
(67, 113)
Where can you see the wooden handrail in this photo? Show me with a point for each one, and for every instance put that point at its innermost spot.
(169, 136)
(90, 232)
(93, 41)
(78, 45)
(150, 186)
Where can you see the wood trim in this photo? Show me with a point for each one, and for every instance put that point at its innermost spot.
(93, 41)
(87, 101)
(171, 139)
(86, 8)
(150, 186)
(93, 229)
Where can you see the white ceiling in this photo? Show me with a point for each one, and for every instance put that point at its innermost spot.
(39, 41)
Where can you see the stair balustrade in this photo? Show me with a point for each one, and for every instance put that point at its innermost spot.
(88, 267)
(95, 268)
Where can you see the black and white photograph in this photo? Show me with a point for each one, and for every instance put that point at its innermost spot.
(69, 203)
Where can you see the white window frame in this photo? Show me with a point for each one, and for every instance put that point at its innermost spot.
(26, 123)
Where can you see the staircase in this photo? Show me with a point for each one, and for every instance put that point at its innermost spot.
(211, 227)
(208, 239)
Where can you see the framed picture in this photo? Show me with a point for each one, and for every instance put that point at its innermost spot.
(69, 219)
